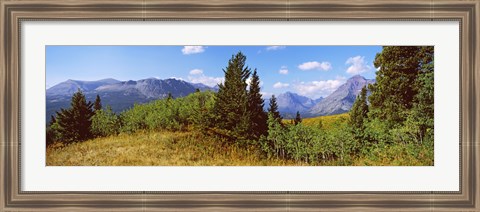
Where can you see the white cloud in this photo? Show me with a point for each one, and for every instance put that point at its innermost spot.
(280, 85)
(197, 76)
(314, 65)
(316, 89)
(196, 71)
(283, 70)
(273, 48)
(192, 50)
(206, 80)
(357, 65)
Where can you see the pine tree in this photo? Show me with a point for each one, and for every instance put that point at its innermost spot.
(359, 115)
(231, 100)
(359, 111)
(420, 120)
(258, 117)
(392, 96)
(273, 109)
(98, 104)
(298, 119)
(53, 120)
(74, 122)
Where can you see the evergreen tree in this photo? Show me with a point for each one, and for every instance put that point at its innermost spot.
(98, 104)
(359, 111)
(53, 120)
(273, 109)
(74, 122)
(298, 119)
(359, 115)
(170, 96)
(231, 108)
(255, 108)
(420, 120)
(393, 93)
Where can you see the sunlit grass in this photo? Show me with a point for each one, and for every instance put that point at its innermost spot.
(191, 148)
(158, 149)
(326, 122)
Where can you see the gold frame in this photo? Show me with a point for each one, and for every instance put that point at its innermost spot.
(13, 12)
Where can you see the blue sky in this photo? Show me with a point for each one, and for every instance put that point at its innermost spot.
(311, 71)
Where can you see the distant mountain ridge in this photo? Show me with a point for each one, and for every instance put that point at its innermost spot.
(342, 99)
(71, 86)
(150, 88)
(289, 103)
(120, 95)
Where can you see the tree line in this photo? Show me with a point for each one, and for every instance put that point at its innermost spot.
(395, 114)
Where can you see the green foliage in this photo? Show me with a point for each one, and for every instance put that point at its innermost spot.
(359, 115)
(308, 144)
(392, 96)
(53, 133)
(74, 123)
(238, 111)
(258, 117)
(359, 111)
(194, 110)
(422, 113)
(401, 111)
(272, 143)
(231, 100)
(98, 104)
(273, 109)
(201, 112)
(105, 122)
(298, 119)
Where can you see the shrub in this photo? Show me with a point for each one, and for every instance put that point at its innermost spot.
(105, 122)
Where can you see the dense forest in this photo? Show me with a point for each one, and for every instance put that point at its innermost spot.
(390, 123)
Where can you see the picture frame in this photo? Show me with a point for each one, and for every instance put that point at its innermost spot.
(13, 13)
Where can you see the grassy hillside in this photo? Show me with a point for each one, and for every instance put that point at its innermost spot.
(157, 149)
(166, 148)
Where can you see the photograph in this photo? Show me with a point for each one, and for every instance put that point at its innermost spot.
(137, 105)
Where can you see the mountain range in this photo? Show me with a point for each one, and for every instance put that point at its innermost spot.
(289, 103)
(342, 99)
(121, 95)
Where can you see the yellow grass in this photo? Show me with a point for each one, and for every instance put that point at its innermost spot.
(326, 122)
(157, 149)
